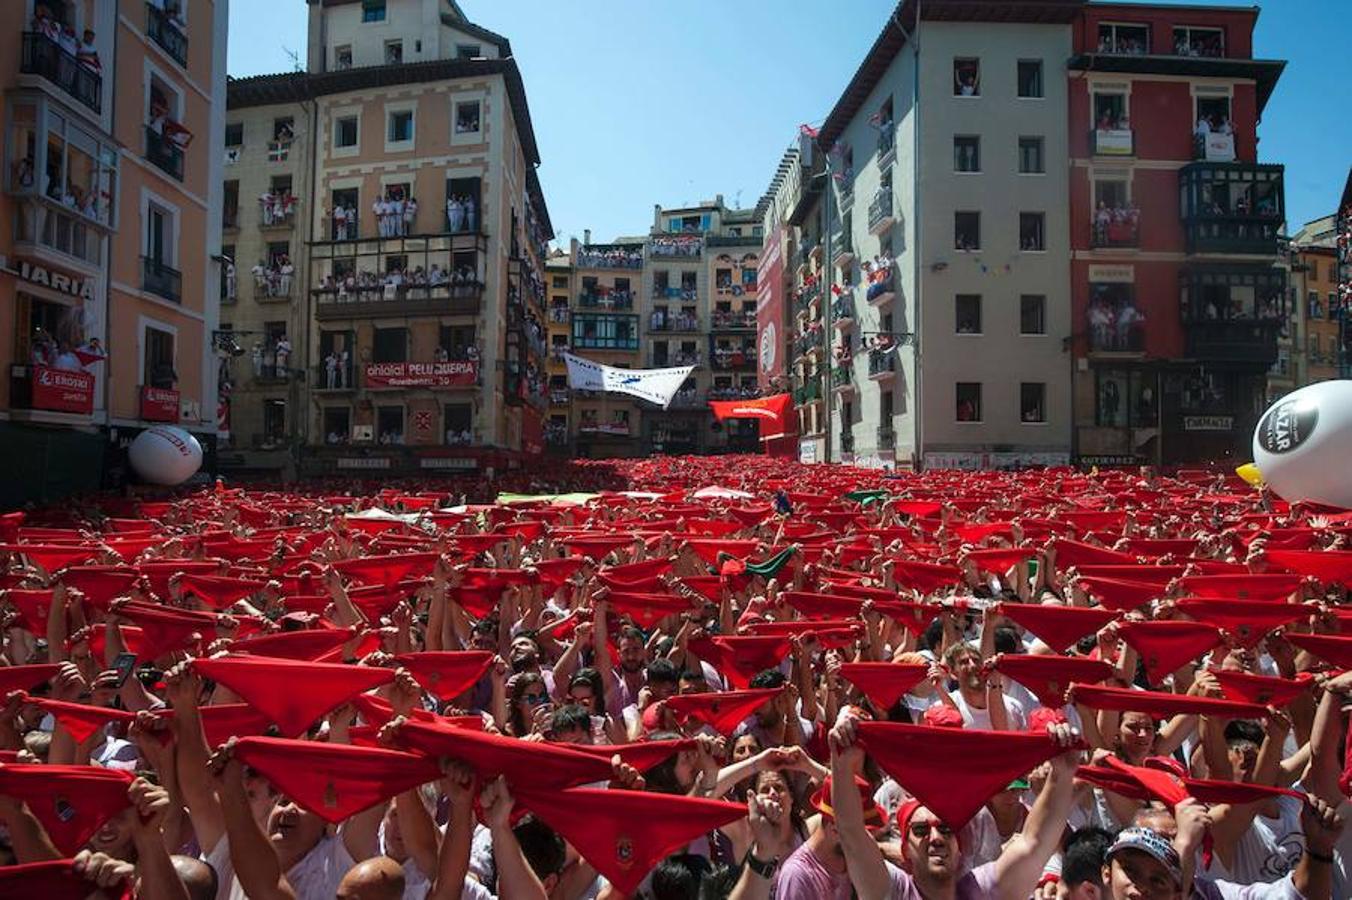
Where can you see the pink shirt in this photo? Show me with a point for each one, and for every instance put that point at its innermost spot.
(803, 877)
(978, 884)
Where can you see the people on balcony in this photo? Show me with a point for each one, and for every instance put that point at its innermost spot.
(1116, 224)
(458, 438)
(1113, 120)
(395, 214)
(365, 286)
(273, 278)
(88, 54)
(231, 280)
(878, 272)
(344, 222)
(675, 246)
(337, 373)
(460, 213)
(612, 258)
(1124, 43)
(275, 207)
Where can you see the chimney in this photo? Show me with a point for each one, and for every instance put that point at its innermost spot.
(586, 237)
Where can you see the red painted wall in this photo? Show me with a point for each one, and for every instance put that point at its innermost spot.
(1156, 296)
(1238, 25)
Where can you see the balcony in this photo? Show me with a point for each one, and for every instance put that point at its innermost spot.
(842, 250)
(677, 323)
(676, 294)
(1113, 142)
(1117, 228)
(271, 221)
(1213, 147)
(1232, 207)
(687, 398)
(728, 320)
(167, 32)
(729, 358)
(40, 56)
(157, 278)
(808, 393)
(733, 393)
(1249, 341)
(610, 256)
(677, 358)
(376, 301)
(842, 379)
(164, 153)
(687, 246)
(808, 343)
(560, 397)
(807, 295)
(887, 437)
(558, 352)
(881, 214)
(882, 364)
(337, 379)
(558, 315)
(616, 429)
(887, 144)
(842, 312)
(607, 300)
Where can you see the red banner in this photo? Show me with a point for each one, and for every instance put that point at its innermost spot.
(774, 413)
(159, 404)
(770, 313)
(461, 373)
(532, 432)
(60, 390)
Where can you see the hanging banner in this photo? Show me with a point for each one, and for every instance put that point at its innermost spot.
(654, 385)
(459, 373)
(774, 413)
(63, 391)
(770, 313)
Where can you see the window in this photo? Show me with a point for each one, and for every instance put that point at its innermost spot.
(1110, 112)
(967, 231)
(345, 132)
(234, 134)
(1030, 78)
(230, 212)
(159, 359)
(337, 424)
(967, 308)
(1032, 314)
(885, 407)
(389, 345)
(1032, 402)
(966, 77)
(394, 53)
(274, 421)
(1032, 231)
(1189, 41)
(467, 117)
(401, 126)
(283, 128)
(459, 419)
(1313, 310)
(467, 51)
(1133, 40)
(342, 57)
(968, 401)
(390, 424)
(966, 154)
(373, 10)
(1030, 156)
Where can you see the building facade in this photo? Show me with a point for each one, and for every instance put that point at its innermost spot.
(414, 321)
(1179, 278)
(1316, 339)
(109, 233)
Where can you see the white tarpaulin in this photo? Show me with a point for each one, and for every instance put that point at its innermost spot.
(654, 385)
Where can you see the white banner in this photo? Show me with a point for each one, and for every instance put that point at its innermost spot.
(654, 385)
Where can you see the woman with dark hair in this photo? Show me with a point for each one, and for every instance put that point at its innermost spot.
(587, 689)
(527, 702)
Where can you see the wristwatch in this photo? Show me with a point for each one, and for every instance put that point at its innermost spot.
(764, 868)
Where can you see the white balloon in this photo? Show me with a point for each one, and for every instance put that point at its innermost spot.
(1303, 443)
(165, 455)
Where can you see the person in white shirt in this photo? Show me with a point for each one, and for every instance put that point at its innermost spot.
(455, 214)
(410, 215)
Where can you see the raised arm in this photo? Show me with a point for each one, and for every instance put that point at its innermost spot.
(199, 793)
(515, 876)
(255, 862)
(863, 859)
(1020, 864)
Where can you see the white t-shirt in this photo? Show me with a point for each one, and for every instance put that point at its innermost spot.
(980, 719)
(315, 877)
(1269, 849)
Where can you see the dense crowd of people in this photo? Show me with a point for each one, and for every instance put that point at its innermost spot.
(610, 258)
(678, 679)
(396, 284)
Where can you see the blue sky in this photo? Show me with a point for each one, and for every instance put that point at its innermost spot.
(637, 102)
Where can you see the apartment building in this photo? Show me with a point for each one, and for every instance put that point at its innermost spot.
(109, 233)
(1316, 344)
(1179, 278)
(267, 180)
(561, 287)
(407, 333)
(931, 266)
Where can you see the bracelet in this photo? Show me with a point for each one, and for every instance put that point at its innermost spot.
(1319, 857)
(765, 869)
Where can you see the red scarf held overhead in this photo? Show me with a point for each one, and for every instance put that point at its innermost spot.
(291, 694)
(1048, 677)
(743, 657)
(1328, 566)
(831, 634)
(80, 719)
(165, 629)
(647, 609)
(1059, 627)
(33, 606)
(1242, 587)
(883, 683)
(223, 721)
(158, 572)
(954, 771)
(1262, 689)
(309, 644)
(1074, 553)
(554, 573)
(924, 577)
(1157, 575)
(54, 880)
(446, 673)
(25, 678)
(71, 802)
(722, 711)
(1165, 647)
(100, 584)
(335, 781)
(1335, 649)
(1000, 560)
(1121, 595)
(708, 549)
(386, 570)
(219, 591)
(624, 834)
(1160, 705)
(51, 557)
(526, 764)
(1247, 621)
(642, 755)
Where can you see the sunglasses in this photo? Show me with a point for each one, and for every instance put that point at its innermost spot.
(922, 829)
(535, 699)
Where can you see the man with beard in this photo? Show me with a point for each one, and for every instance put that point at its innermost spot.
(624, 682)
(777, 722)
(524, 656)
(933, 868)
(979, 697)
